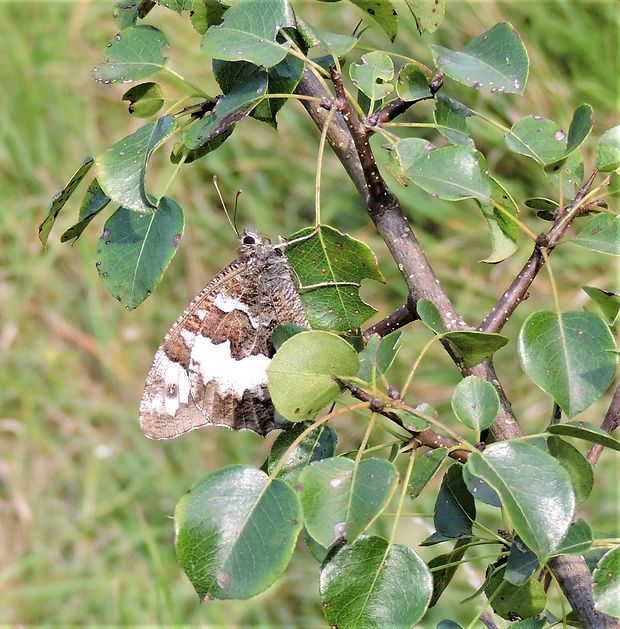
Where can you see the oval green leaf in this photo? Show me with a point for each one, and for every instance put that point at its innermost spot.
(425, 467)
(535, 490)
(373, 75)
(121, 169)
(475, 402)
(608, 150)
(132, 55)
(495, 61)
(135, 250)
(145, 100)
(606, 588)
(474, 346)
(317, 445)
(235, 532)
(601, 234)
(370, 584)
(341, 498)
(568, 358)
(587, 432)
(301, 374)
(579, 470)
(455, 509)
(452, 173)
(248, 33)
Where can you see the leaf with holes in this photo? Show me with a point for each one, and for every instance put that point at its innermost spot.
(383, 13)
(495, 61)
(135, 250)
(134, 54)
(59, 200)
(330, 267)
(373, 75)
(428, 14)
(248, 33)
(452, 173)
(121, 169)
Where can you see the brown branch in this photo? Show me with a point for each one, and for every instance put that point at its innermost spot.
(398, 319)
(572, 572)
(517, 291)
(610, 423)
(428, 438)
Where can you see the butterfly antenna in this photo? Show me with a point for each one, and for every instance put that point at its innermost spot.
(219, 194)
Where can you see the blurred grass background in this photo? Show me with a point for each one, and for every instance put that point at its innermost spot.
(85, 500)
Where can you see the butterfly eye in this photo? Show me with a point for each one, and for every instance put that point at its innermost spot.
(248, 239)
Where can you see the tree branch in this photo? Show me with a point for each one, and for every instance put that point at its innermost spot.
(517, 291)
(385, 211)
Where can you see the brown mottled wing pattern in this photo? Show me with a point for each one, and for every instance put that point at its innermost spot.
(211, 366)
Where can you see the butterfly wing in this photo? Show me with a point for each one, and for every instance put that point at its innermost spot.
(211, 366)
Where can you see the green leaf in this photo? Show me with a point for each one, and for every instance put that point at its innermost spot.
(135, 250)
(176, 5)
(369, 584)
(341, 498)
(134, 54)
(601, 234)
(235, 532)
(450, 117)
(181, 151)
(412, 83)
(229, 109)
(567, 175)
(608, 150)
(335, 44)
(538, 138)
(414, 421)
(452, 173)
(378, 356)
(330, 267)
(206, 13)
(504, 231)
(521, 564)
(587, 432)
(121, 169)
(546, 207)
(425, 467)
(307, 364)
(444, 567)
(608, 302)
(474, 346)
(606, 587)
(568, 358)
(578, 539)
(248, 33)
(481, 489)
(428, 14)
(382, 12)
(145, 100)
(475, 403)
(525, 600)
(579, 470)
(404, 153)
(94, 201)
(455, 509)
(534, 488)
(373, 75)
(58, 201)
(319, 444)
(125, 13)
(430, 316)
(495, 61)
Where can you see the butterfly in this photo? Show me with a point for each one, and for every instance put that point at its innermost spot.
(211, 368)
